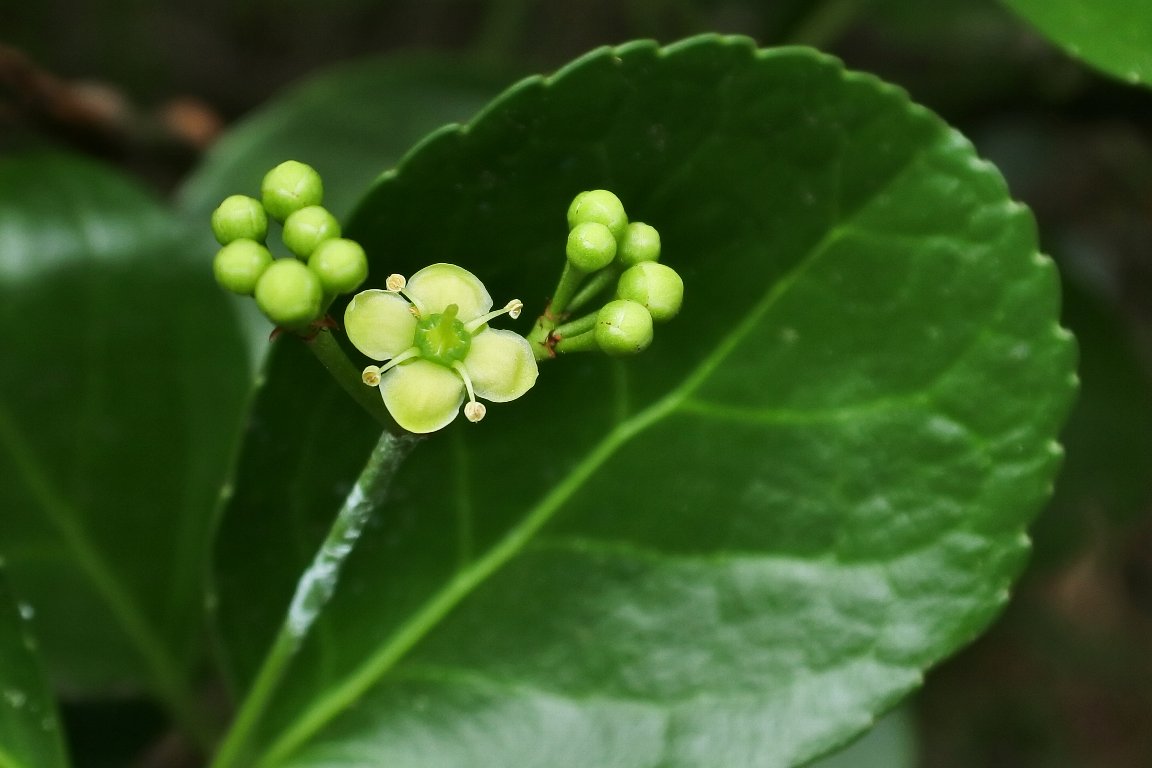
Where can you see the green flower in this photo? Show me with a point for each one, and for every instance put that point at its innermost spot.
(432, 332)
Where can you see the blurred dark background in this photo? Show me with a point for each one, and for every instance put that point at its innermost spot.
(1065, 677)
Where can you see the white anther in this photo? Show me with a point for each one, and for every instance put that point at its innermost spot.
(474, 411)
(395, 283)
(371, 376)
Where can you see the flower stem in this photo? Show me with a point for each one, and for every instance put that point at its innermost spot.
(570, 280)
(594, 286)
(327, 350)
(584, 342)
(313, 591)
(576, 327)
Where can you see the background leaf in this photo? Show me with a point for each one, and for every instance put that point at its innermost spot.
(740, 547)
(350, 123)
(29, 729)
(122, 379)
(1114, 35)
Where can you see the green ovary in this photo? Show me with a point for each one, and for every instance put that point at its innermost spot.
(442, 338)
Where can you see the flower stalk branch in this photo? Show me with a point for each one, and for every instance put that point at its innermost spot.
(328, 351)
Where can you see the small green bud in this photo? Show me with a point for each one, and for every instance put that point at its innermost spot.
(640, 243)
(289, 293)
(239, 264)
(600, 206)
(657, 286)
(591, 246)
(290, 186)
(305, 229)
(239, 217)
(623, 328)
(340, 264)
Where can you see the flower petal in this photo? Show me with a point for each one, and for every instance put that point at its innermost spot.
(422, 396)
(434, 288)
(379, 324)
(501, 365)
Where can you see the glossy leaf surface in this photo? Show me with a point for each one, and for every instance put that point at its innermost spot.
(1113, 35)
(735, 549)
(122, 384)
(29, 728)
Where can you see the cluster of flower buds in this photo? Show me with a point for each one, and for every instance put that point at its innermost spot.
(603, 251)
(291, 292)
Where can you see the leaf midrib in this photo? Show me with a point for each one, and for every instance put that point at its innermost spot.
(327, 706)
(416, 628)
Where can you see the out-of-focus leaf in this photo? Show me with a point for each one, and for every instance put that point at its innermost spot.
(1113, 35)
(29, 728)
(352, 124)
(737, 548)
(122, 382)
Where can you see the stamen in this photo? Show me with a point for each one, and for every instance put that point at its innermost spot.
(473, 411)
(512, 309)
(396, 284)
(371, 376)
(407, 354)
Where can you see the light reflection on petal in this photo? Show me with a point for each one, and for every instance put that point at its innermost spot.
(379, 324)
(501, 365)
(422, 396)
(435, 287)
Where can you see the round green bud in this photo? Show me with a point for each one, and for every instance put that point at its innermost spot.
(657, 286)
(305, 229)
(239, 217)
(623, 328)
(340, 264)
(640, 243)
(600, 206)
(591, 246)
(290, 186)
(289, 293)
(239, 264)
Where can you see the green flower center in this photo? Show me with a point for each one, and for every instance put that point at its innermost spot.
(442, 338)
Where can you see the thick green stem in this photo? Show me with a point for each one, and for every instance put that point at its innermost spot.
(313, 591)
(327, 350)
(540, 337)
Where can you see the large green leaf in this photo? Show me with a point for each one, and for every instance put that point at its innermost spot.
(1114, 35)
(29, 728)
(122, 385)
(733, 550)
